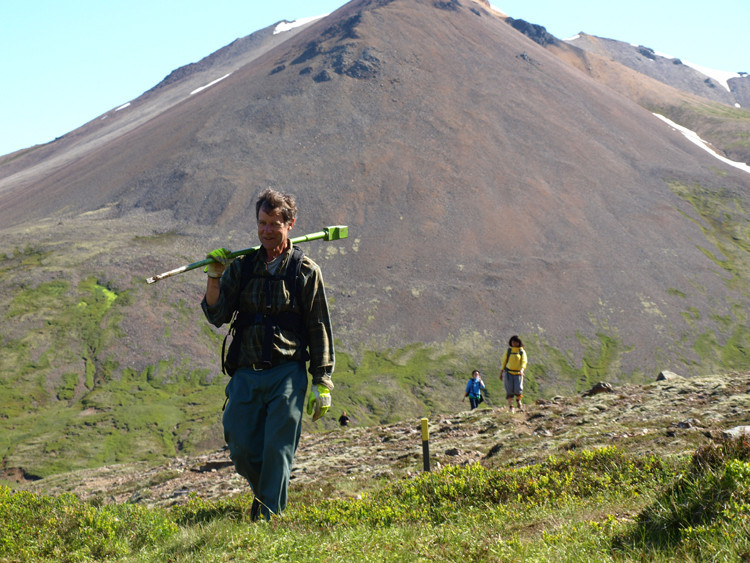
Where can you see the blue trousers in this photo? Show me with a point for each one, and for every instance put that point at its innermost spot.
(262, 426)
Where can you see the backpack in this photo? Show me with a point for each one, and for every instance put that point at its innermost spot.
(479, 393)
(507, 358)
(287, 320)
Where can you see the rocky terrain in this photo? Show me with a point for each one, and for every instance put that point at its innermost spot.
(671, 416)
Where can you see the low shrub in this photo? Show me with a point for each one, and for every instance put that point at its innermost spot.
(37, 527)
(435, 496)
(709, 503)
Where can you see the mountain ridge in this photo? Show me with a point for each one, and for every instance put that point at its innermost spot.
(696, 98)
(670, 70)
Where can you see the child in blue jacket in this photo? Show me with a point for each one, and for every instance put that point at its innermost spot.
(474, 389)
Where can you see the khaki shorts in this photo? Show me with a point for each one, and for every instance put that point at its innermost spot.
(513, 384)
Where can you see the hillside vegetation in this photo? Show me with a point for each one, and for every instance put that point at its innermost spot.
(81, 389)
(626, 473)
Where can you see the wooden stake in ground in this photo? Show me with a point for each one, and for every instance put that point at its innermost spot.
(426, 444)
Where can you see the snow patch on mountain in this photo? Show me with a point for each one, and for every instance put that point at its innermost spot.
(209, 84)
(693, 137)
(286, 26)
(721, 76)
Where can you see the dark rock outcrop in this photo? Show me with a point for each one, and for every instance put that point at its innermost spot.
(535, 32)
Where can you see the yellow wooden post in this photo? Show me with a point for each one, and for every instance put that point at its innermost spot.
(426, 444)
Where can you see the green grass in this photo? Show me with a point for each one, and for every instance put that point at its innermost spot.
(724, 222)
(68, 404)
(592, 505)
(158, 239)
(70, 325)
(706, 508)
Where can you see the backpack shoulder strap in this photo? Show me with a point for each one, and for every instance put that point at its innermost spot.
(507, 357)
(288, 320)
(236, 324)
(292, 273)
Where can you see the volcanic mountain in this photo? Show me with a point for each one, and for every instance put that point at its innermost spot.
(490, 188)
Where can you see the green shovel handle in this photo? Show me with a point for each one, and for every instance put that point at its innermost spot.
(329, 233)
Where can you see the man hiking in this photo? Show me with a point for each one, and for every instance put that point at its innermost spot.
(282, 322)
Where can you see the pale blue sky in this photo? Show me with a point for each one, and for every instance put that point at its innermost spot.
(64, 62)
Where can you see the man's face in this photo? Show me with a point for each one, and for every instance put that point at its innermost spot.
(273, 232)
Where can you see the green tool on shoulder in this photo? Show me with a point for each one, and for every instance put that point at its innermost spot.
(329, 233)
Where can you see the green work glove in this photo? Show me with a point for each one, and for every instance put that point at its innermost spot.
(319, 401)
(221, 260)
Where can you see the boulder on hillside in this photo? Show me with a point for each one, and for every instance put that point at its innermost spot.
(737, 432)
(667, 375)
(600, 387)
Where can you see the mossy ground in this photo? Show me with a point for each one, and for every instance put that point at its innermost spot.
(593, 505)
